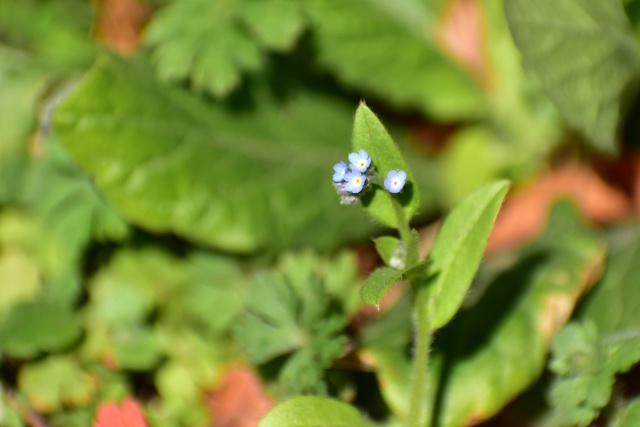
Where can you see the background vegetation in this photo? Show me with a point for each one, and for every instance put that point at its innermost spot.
(169, 233)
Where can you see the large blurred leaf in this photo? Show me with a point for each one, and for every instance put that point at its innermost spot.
(238, 180)
(223, 40)
(497, 347)
(55, 33)
(583, 53)
(604, 340)
(312, 411)
(458, 249)
(390, 52)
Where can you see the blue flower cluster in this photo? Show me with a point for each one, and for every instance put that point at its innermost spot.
(350, 180)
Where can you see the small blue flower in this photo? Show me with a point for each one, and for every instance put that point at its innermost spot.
(395, 181)
(354, 181)
(360, 161)
(341, 171)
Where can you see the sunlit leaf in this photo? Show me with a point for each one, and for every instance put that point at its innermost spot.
(311, 411)
(458, 248)
(238, 181)
(497, 347)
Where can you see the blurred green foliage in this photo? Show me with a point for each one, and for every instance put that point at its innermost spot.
(167, 215)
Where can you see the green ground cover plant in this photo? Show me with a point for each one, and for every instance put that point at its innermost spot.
(170, 215)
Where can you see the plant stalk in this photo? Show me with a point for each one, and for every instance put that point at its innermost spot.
(420, 409)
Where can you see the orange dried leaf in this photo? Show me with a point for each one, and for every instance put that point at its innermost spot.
(240, 401)
(525, 212)
(128, 414)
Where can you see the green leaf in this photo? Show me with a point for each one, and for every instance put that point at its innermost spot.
(135, 349)
(236, 179)
(292, 315)
(458, 249)
(222, 41)
(585, 57)
(631, 415)
(126, 291)
(392, 251)
(56, 382)
(313, 411)
(605, 338)
(19, 281)
(497, 346)
(35, 327)
(390, 52)
(379, 282)
(9, 416)
(369, 134)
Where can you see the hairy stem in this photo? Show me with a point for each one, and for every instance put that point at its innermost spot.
(421, 395)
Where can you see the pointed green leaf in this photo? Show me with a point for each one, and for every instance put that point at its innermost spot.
(583, 53)
(389, 50)
(497, 346)
(369, 134)
(313, 411)
(239, 179)
(458, 248)
(292, 319)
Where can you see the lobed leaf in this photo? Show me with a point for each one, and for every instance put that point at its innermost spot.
(312, 411)
(605, 338)
(458, 248)
(223, 40)
(292, 318)
(585, 57)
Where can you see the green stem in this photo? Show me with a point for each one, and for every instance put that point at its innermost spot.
(403, 224)
(420, 409)
(421, 395)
